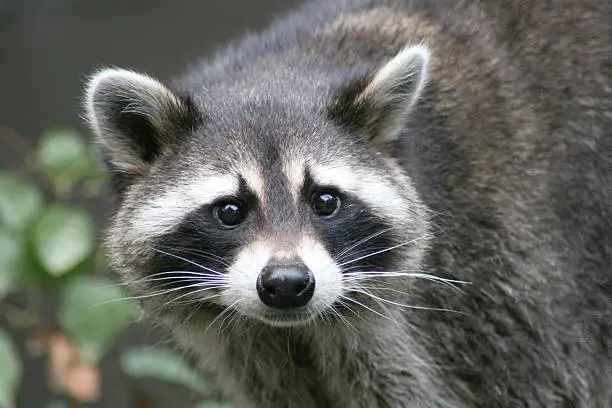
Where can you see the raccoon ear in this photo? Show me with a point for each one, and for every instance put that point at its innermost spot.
(378, 105)
(135, 118)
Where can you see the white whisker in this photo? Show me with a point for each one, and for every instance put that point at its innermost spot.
(231, 314)
(159, 293)
(172, 301)
(228, 309)
(365, 307)
(363, 275)
(192, 301)
(382, 251)
(187, 260)
(204, 254)
(215, 275)
(183, 278)
(402, 305)
(360, 242)
(335, 312)
(191, 275)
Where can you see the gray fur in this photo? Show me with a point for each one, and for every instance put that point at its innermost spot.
(503, 161)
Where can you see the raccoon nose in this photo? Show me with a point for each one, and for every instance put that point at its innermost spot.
(285, 286)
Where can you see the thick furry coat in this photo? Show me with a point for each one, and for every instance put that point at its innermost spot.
(508, 145)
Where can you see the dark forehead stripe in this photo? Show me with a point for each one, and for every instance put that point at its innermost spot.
(307, 181)
(246, 194)
(281, 215)
(309, 184)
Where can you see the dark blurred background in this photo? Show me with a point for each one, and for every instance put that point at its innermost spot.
(47, 47)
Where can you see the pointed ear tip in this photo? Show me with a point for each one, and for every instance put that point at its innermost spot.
(114, 76)
(93, 82)
(421, 51)
(105, 74)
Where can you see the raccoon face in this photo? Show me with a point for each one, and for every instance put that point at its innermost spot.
(281, 207)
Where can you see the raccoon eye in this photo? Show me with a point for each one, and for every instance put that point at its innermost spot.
(230, 213)
(325, 203)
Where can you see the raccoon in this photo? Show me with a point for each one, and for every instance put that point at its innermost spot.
(377, 203)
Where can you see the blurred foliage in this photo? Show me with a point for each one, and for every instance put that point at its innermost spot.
(48, 243)
(161, 364)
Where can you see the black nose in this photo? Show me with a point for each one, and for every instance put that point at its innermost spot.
(285, 286)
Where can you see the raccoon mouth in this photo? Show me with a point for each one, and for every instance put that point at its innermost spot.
(287, 319)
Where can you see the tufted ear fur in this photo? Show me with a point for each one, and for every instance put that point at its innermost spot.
(378, 105)
(135, 118)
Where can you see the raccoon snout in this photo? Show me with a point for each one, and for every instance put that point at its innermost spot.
(285, 286)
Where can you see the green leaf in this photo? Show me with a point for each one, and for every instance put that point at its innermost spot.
(93, 312)
(11, 370)
(64, 157)
(163, 365)
(19, 202)
(11, 255)
(63, 237)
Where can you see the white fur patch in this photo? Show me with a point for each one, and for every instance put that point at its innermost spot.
(242, 278)
(293, 168)
(328, 277)
(376, 193)
(253, 179)
(164, 212)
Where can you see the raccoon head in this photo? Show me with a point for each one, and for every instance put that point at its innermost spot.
(260, 198)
